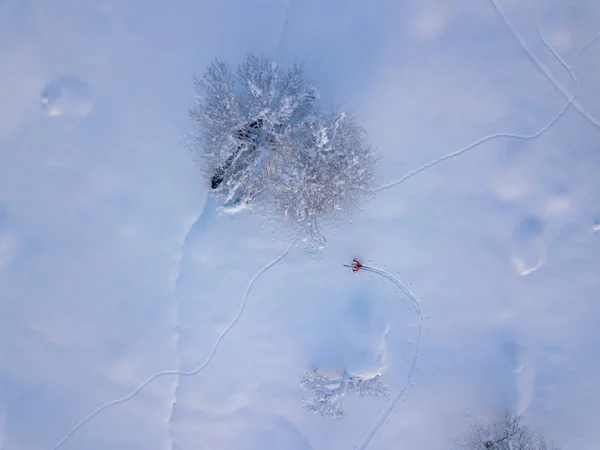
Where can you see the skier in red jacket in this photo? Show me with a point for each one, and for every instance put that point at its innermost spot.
(357, 265)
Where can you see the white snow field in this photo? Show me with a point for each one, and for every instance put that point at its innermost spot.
(135, 316)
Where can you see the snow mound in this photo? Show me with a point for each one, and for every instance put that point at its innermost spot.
(529, 247)
(67, 96)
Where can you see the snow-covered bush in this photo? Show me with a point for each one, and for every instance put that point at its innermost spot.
(505, 432)
(333, 174)
(262, 139)
(325, 395)
(367, 386)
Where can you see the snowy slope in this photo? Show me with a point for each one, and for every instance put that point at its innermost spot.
(133, 316)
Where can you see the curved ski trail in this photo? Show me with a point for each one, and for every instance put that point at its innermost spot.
(197, 370)
(507, 135)
(417, 306)
(513, 30)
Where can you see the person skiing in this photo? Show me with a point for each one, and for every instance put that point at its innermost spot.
(357, 265)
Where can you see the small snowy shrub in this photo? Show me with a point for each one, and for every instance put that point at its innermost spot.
(325, 395)
(262, 139)
(506, 432)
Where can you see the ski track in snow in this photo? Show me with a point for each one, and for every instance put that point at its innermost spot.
(522, 137)
(540, 65)
(403, 288)
(179, 373)
(584, 49)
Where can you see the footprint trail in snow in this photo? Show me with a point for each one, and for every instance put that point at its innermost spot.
(416, 305)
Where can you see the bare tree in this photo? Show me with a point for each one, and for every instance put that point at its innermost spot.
(325, 395)
(505, 432)
(261, 134)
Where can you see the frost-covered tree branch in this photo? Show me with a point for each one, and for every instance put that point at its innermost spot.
(368, 386)
(505, 432)
(262, 139)
(333, 173)
(325, 395)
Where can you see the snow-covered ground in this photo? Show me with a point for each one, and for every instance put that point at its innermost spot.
(133, 316)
